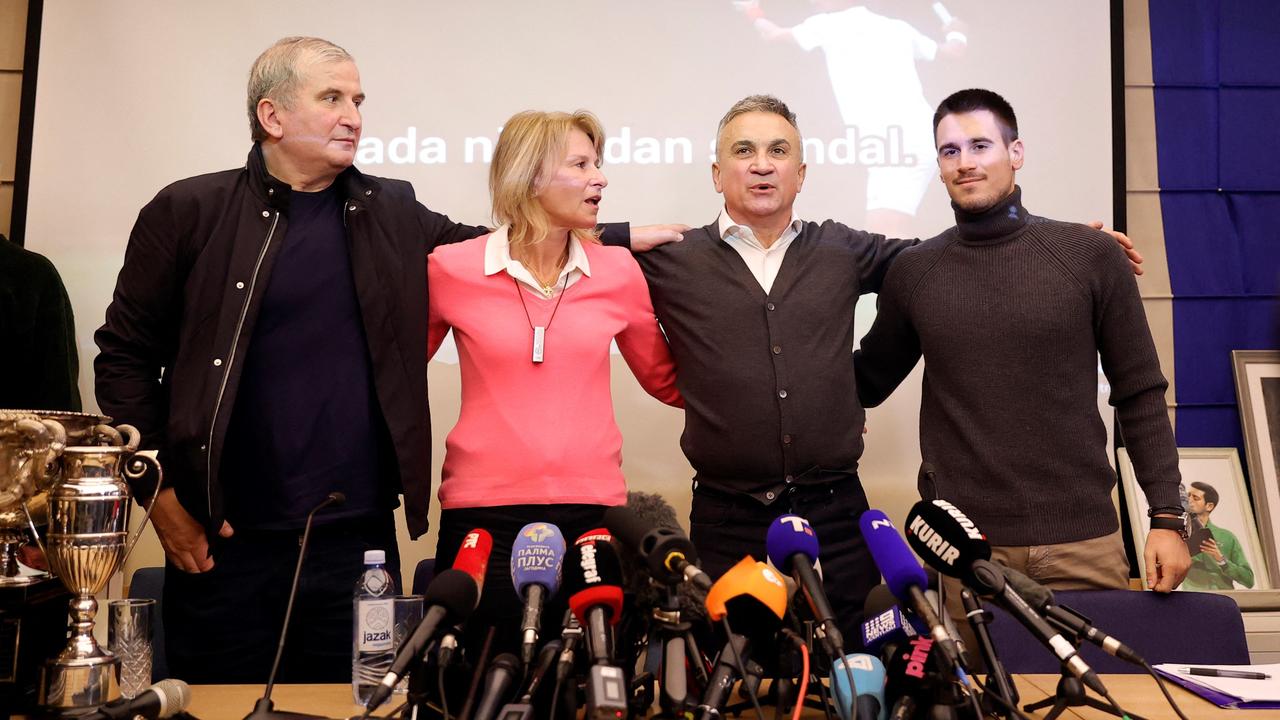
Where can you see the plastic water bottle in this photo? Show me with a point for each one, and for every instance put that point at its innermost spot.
(373, 646)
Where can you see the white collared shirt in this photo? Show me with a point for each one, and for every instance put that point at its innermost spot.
(763, 262)
(497, 258)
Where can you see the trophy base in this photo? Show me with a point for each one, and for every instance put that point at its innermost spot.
(23, 580)
(74, 686)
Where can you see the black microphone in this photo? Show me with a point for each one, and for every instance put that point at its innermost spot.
(1041, 598)
(668, 551)
(915, 680)
(164, 699)
(264, 708)
(949, 541)
(998, 680)
(522, 709)
(449, 599)
(501, 677)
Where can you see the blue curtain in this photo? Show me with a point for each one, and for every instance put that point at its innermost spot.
(1217, 102)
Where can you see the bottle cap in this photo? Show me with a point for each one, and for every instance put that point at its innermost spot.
(375, 557)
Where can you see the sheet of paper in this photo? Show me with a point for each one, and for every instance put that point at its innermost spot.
(1244, 689)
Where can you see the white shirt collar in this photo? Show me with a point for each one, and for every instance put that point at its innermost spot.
(497, 257)
(729, 226)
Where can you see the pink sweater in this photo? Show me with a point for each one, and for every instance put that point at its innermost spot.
(541, 433)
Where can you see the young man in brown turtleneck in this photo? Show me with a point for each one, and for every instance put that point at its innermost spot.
(1011, 313)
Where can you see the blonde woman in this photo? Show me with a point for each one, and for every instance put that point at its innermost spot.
(534, 307)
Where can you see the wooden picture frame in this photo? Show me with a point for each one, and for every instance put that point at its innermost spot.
(1257, 374)
(1220, 469)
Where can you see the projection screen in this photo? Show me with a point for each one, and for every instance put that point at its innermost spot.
(134, 95)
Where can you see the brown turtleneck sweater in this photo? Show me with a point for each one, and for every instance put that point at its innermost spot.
(1011, 313)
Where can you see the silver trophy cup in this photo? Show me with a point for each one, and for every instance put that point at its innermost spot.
(29, 449)
(87, 542)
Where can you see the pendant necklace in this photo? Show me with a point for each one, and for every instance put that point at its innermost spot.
(540, 331)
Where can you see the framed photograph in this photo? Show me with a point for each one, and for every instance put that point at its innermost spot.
(1258, 393)
(1226, 553)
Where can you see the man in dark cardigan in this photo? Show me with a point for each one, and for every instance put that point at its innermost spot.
(772, 420)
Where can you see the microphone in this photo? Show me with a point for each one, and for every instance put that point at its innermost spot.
(593, 579)
(499, 680)
(164, 699)
(1041, 598)
(473, 557)
(523, 708)
(905, 577)
(536, 558)
(912, 680)
(264, 708)
(886, 624)
(449, 599)
(865, 701)
(950, 542)
(752, 600)
(668, 551)
(793, 548)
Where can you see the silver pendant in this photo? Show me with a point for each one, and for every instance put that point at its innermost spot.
(539, 342)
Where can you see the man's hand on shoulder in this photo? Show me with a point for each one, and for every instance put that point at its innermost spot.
(647, 237)
(1167, 560)
(1135, 257)
(183, 538)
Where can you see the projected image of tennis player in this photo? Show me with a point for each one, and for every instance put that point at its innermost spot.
(872, 63)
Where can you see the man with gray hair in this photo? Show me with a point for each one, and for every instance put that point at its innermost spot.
(268, 335)
(764, 348)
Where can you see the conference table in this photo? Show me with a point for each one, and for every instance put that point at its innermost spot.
(1135, 693)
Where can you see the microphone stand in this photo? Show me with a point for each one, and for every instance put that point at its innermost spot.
(264, 709)
(997, 682)
(1071, 692)
(678, 646)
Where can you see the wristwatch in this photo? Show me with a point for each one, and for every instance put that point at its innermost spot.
(1176, 524)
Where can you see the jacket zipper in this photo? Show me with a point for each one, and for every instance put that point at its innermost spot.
(226, 373)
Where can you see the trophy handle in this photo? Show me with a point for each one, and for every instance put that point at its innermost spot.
(57, 443)
(134, 436)
(135, 468)
(107, 433)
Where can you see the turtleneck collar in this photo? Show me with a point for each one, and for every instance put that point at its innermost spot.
(998, 223)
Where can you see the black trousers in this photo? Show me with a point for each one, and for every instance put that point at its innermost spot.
(500, 607)
(223, 626)
(725, 527)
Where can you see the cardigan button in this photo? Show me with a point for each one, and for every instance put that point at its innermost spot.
(786, 440)
(782, 394)
(777, 349)
(266, 214)
(217, 362)
(771, 306)
(239, 286)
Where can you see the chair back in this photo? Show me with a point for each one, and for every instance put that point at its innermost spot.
(1181, 627)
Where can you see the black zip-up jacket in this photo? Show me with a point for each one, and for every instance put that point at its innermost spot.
(188, 295)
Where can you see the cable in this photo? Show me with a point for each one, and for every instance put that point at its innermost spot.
(1002, 701)
(742, 670)
(804, 683)
(444, 700)
(1160, 682)
(555, 696)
